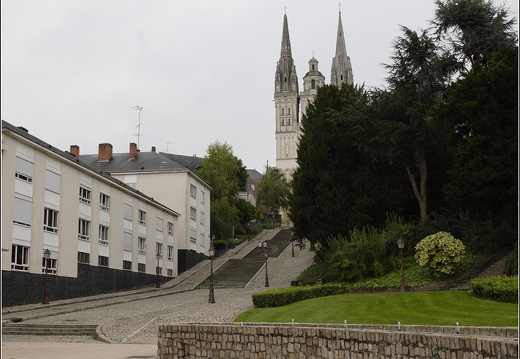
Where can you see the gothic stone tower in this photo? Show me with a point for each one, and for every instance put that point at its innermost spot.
(286, 98)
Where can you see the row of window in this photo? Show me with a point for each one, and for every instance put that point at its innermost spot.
(193, 193)
(20, 260)
(285, 122)
(288, 111)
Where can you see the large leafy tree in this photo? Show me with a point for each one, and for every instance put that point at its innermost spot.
(482, 113)
(225, 173)
(473, 29)
(418, 75)
(343, 180)
(274, 190)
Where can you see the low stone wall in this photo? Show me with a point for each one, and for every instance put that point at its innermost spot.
(268, 340)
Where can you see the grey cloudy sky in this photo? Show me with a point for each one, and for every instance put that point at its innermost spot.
(203, 71)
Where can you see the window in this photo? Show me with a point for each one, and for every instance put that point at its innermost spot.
(313, 84)
(52, 265)
(127, 265)
(159, 224)
(50, 220)
(170, 228)
(19, 257)
(103, 235)
(84, 195)
(158, 270)
(170, 252)
(22, 212)
(282, 111)
(83, 257)
(202, 200)
(193, 214)
(128, 211)
(283, 122)
(158, 248)
(104, 202)
(141, 245)
(170, 272)
(142, 217)
(127, 241)
(193, 191)
(288, 111)
(103, 261)
(141, 267)
(84, 230)
(52, 181)
(24, 170)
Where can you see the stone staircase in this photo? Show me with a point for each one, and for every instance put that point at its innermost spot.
(237, 273)
(45, 329)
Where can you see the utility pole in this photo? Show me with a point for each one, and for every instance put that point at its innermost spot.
(139, 108)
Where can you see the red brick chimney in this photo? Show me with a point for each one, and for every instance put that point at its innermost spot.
(104, 152)
(153, 148)
(133, 151)
(74, 150)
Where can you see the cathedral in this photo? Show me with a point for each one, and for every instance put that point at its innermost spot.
(290, 103)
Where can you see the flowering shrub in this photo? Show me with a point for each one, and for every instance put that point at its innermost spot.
(440, 252)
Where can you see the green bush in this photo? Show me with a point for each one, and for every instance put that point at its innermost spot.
(219, 245)
(500, 288)
(283, 296)
(440, 252)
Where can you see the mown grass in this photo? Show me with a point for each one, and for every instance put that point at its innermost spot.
(411, 308)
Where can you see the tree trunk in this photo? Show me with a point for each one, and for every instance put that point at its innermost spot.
(420, 192)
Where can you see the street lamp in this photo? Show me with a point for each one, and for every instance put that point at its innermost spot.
(158, 256)
(47, 256)
(211, 289)
(264, 249)
(400, 244)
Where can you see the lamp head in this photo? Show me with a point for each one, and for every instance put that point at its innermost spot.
(47, 254)
(400, 243)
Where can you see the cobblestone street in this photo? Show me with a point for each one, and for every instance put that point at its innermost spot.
(133, 317)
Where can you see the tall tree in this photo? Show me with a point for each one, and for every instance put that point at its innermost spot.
(226, 175)
(419, 74)
(474, 29)
(481, 113)
(274, 190)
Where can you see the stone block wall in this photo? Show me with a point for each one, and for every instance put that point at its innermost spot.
(264, 340)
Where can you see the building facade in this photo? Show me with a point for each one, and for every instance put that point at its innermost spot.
(171, 180)
(102, 234)
(290, 104)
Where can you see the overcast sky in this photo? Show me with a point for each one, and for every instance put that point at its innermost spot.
(203, 71)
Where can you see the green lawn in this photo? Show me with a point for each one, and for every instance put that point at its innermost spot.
(414, 308)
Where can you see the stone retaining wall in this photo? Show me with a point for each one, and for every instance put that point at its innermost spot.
(268, 340)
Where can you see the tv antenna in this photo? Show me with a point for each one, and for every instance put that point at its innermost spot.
(167, 143)
(139, 108)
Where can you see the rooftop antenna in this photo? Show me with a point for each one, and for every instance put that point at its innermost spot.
(167, 143)
(139, 108)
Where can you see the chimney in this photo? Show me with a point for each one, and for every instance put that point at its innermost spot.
(74, 150)
(104, 152)
(153, 148)
(133, 151)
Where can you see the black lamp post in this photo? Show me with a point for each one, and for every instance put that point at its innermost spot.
(158, 256)
(211, 289)
(264, 249)
(47, 256)
(400, 244)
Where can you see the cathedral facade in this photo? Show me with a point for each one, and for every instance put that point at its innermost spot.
(291, 104)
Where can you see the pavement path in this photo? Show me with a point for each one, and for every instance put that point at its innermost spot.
(128, 318)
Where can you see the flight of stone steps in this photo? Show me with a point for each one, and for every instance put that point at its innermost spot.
(237, 273)
(21, 328)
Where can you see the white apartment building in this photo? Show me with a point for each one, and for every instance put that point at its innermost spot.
(170, 179)
(102, 234)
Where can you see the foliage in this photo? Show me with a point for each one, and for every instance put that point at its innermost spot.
(226, 175)
(501, 288)
(443, 308)
(274, 190)
(283, 296)
(482, 108)
(343, 177)
(440, 252)
(473, 29)
(511, 265)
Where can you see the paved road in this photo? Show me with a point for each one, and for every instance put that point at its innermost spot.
(133, 318)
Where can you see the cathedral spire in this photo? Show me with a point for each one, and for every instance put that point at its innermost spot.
(341, 71)
(285, 78)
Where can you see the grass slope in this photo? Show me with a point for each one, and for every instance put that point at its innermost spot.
(414, 308)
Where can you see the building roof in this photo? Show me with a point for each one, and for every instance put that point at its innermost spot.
(68, 157)
(254, 174)
(143, 162)
(193, 163)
